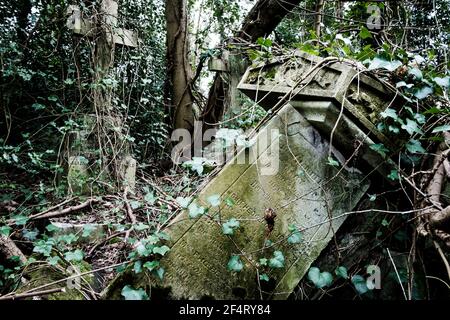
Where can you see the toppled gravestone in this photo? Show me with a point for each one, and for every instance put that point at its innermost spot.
(286, 172)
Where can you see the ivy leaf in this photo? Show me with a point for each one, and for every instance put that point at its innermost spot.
(150, 198)
(183, 202)
(195, 210)
(295, 236)
(360, 284)
(151, 265)
(423, 92)
(53, 260)
(87, 230)
(380, 63)
(332, 162)
(389, 113)
(51, 227)
(277, 261)
(365, 33)
(442, 82)
(414, 146)
(416, 73)
(76, 255)
(160, 273)
(411, 127)
(214, 200)
(235, 264)
(161, 250)
(264, 277)
(319, 279)
(229, 201)
(20, 220)
(135, 204)
(443, 128)
(341, 272)
(229, 226)
(393, 175)
(38, 106)
(5, 230)
(380, 148)
(137, 267)
(44, 247)
(129, 293)
(263, 262)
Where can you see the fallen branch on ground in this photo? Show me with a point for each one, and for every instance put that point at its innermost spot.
(9, 249)
(66, 211)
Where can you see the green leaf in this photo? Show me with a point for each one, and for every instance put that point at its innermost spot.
(380, 63)
(319, 279)
(160, 273)
(389, 113)
(140, 226)
(411, 127)
(295, 236)
(341, 272)
(332, 162)
(263, 261)
(235, 264)
(364, 33)
(87, 230)
(416, 73)
(135, 204)
(229, 201)
(38, 106)
(423, 92)
(151, 265)
(360, 284)
(76, 255)
(380, 148)
(277, 261)
(393, 175)
(129, 293)
(214, 200)
(53, 260)
(414, 146)
(44, 247)
(443, 128)
(372, 197)
(184, 202)
(229, 226)
(442, 82)
(20, 220)
(161, 250)
(195, 210)
(150, 198)
(137, 267)
(264, 277)
(5, 230)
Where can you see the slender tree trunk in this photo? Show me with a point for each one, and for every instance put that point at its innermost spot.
(179, 74)
(318, 18)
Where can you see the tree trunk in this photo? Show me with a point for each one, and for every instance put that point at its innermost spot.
(262, 19)
(318, 18)
(179, 74)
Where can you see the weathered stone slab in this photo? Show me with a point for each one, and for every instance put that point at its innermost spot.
(291, 176)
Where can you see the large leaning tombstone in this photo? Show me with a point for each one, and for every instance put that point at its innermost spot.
(286, 172)
(334, 96)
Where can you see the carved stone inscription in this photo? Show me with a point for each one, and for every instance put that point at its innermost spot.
(306, 192)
